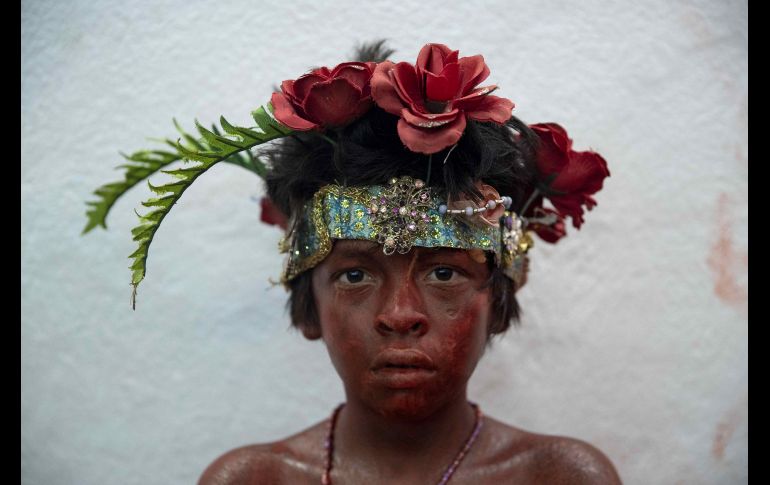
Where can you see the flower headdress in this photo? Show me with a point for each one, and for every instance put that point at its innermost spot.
(436, 101)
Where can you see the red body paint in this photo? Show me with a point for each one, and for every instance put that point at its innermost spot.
(428, 299)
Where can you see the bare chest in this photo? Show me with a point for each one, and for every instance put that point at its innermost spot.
(519, 470)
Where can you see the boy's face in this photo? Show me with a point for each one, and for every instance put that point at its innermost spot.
(427, 301)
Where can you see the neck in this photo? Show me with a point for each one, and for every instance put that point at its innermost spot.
(413, 445)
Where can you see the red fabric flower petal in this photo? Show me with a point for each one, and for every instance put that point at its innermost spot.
(404, 79)
(445, 86)
(383, 91)
(429, 120)
(582, 177)
(491, 108)
(433, 58)
(357, 73)
(304, 83)
(270, 214)
(334, 102)
(473, 71)
(285, 113)
(431, 140)
(552, 232)
(288, 89)
(554, 148)
(364, 105)
(585, 173)
(468, 101)
(570, 205)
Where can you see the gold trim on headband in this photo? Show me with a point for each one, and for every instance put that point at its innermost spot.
(399, 215)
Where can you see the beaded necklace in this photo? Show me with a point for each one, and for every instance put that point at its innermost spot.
(326, 478)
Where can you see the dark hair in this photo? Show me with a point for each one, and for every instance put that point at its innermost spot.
(369, 151)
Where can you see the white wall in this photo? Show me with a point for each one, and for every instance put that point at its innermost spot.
(635, 328)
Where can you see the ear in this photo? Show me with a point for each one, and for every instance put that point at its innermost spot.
(311, 332)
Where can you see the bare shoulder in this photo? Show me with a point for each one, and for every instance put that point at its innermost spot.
(244, 465)
(570, 460)
(539, 458)
(291, 460)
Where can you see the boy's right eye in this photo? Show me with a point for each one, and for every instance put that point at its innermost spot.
(352, 276)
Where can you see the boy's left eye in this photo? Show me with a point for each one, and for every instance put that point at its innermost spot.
(443, 273)
(353, 276)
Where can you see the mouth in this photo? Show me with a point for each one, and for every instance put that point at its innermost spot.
(403, 359)
(403, 377)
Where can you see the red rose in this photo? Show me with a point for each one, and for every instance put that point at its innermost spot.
(433, 97)
(325, 98)
(578, 175)
(548, 232)
(270, 214)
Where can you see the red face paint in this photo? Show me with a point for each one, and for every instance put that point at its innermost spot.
(428, 302)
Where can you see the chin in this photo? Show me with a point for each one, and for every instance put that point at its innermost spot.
(406, 404)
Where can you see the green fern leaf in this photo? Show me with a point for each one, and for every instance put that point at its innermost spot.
(213, 148)
(246, 160)
(145, 163)
(142, 165)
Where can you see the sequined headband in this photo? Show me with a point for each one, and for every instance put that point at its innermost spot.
(400, 215)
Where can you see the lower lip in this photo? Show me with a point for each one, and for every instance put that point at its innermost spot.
(402, 377)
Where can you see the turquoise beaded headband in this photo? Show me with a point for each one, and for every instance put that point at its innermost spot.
(401, 215)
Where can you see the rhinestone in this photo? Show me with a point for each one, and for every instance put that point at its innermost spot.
(433, 124)
(419, 183)
(403, 211)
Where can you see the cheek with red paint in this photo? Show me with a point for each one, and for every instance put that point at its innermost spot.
(343, 326)
(462, 335)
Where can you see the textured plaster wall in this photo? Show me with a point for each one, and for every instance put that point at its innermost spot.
(635, 328)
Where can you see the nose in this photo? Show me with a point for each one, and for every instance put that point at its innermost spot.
(403, 309)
